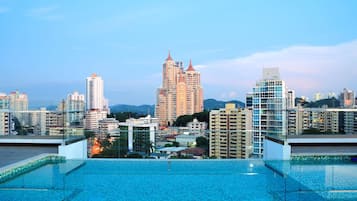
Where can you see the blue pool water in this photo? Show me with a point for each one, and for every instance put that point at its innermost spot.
(177, 180)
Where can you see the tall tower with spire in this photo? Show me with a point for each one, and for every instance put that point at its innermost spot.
(181, 92)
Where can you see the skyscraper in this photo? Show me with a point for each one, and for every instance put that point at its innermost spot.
(97, 106)
(95, 93)
(269, 108)
(181, 92)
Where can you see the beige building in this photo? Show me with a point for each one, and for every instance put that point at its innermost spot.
(323, 120)
(92, 118)
(181, 92)
(230, 132)
(18, 101)
(5, 122)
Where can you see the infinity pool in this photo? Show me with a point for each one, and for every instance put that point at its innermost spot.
(182, 180)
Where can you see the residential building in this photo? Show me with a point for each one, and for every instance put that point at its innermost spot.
(350, 121)
(229, 136)
(269, 108)
(18, 101)
(322, 121)
(6, 124)
(108, 124)
(39, 122)
(138, 135)
(347, 98)
(197, 127)
(290, 103)
(95, 99)
(4, 101)
(92, 118)
(96, 105)
(75, 109)
(181, 92)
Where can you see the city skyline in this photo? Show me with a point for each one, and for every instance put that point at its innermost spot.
(56, 45)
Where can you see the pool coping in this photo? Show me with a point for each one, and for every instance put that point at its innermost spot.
(15, 169)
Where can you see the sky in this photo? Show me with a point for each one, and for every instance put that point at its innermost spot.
(48, 48)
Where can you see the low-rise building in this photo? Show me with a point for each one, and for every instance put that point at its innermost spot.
(197, 127)
(138, 134)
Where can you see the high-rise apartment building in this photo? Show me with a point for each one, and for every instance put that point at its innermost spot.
(322, 120)
(181, 92)
(230, 135)
(95, 94)
(269, 108)
(290, 103)
(75, 108)
(18, 101)
(4, 101)
(97, 106)
(6, 124)
(347, 98)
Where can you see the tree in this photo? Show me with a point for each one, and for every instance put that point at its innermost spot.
(311, 131)
(175, 144)
(89, 133)
(203, 143)
(122, 116)
(184, 119)
(19, 128)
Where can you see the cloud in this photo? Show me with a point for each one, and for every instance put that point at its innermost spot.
(45, 13)
(306, 69)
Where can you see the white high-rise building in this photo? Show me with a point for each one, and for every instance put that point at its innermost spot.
(269, 108)
(95, 93)
(75, 107)
(290, 99)
(96, 105)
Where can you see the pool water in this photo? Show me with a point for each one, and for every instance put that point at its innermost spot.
(328, 180)
(181, 180)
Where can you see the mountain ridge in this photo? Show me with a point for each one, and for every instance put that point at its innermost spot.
(209, 104)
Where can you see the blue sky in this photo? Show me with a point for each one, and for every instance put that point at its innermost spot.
(48, 48)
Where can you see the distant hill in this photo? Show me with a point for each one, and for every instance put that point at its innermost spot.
(140, 109)
(330, 102)
(211, 104)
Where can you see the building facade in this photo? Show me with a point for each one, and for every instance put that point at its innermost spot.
(229, 135)
(95, 99)
(347, 98)
(96, 105)
(269, 108)
(4, 101)
(197, 127)
(75, 109)
(322, 121)
(138, 135)
(181, 92)
(6, 124)
(18, 101)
